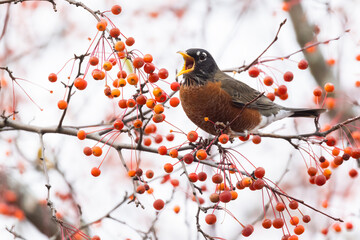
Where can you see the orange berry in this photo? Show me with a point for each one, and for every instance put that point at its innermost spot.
(357, 84)
(141, 100)
(329, 87)
(299, 229)
(174, 101)
(157, 92)
(116, 83)
(130, 103)
(176, 209)
(132, 78)
(325, 164)
(148, 58)
(337, 227)
(118, 124)
(119, 46)
(173, 153)
(62, 104)
(149, 174)
(97, 151)
(95, 172)
(159, 108)
(150, 103)
(335, 151)
(201, 154)
(309, 49)
(168, 167)
(234, 195)
(138, 123)
(223, 138)
(80, 83)
(174, 182)
(101, 25)
(246, 181)
(131, 173)
(294, 220)
(52, 77)
(116, 93)
(81, 134)
(330, 61)
(122, 103)
(192, 136)
(107, 66)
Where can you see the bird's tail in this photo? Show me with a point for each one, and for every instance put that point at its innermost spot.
(306, 112)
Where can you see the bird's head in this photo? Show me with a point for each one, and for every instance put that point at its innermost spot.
(199, 66)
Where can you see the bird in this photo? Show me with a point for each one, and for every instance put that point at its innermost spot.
(218, 103)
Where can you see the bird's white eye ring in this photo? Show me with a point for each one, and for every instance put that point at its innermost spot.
(202, 56)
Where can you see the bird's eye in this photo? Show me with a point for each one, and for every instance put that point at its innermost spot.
(202, 57)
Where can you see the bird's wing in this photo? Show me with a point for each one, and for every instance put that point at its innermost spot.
(242, 94)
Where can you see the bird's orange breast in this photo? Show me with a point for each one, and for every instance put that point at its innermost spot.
(211, 101)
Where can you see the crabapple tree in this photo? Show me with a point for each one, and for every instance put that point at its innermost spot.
(95, 145)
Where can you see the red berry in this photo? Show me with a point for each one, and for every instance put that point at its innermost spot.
(175, 86)
(202, 176)
(116, 9)
(163, 73)
(254, 72)
(288, 77)
(158, 204)
(162, 150)
(210, 219)
(188, 158)
(268, 81)
(52, 77)
(247, 231)
(303, 64)
(259, 172)
(95, 172)
(114, 32)
(320, 180)
(217, 178)
(282, 90)
(225, 196)
(193, 177)
(80, 83)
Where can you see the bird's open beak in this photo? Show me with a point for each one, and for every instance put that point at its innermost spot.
(189, 64)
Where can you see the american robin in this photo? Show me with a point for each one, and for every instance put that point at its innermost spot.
(209, 93)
